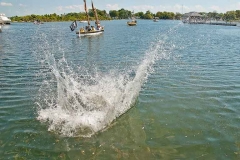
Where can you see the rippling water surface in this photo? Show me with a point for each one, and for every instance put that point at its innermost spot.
(160, 90)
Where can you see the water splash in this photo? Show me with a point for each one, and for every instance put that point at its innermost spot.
(76, 104)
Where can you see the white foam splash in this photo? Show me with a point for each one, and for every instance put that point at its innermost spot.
(81, 105)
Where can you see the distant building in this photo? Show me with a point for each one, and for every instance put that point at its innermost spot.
(196, 18)
(192, 17)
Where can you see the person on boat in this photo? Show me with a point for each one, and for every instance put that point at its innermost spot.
(88, 28)
(98, 27)
(93, 29)
(82, 30)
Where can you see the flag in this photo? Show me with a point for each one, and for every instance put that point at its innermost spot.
(73, 26)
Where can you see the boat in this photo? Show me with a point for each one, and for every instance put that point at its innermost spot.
(5, 19)
(37, 22)
(1, 23)
(83, 21)
(89, 30)
(133, 21)
(155, 19)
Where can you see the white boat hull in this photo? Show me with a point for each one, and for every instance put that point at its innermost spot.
(4, 19)
(89, 33)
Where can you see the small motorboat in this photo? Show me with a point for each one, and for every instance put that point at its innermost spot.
(155, 19)
(132, 23)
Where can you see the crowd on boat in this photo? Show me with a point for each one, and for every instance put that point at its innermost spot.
(92, 28)
(88, 29)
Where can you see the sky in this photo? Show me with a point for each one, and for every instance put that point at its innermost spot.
(41, 7)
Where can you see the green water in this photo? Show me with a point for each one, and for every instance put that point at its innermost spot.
(177, 83)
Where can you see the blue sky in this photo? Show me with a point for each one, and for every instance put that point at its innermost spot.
(26, 7)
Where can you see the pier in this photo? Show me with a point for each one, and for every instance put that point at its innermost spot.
(215, 23)
(196, 18)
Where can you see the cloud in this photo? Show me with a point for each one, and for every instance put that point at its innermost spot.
(199, 8)
(231, 7)
(143, 8)
(112, 7)
(154, 9)
(215, 8)
(72, 8)
(173, 8)
(22, 5)
(5, 4)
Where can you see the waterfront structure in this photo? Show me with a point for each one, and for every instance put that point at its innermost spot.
(4, 19)
(196, 18)
(192, 17)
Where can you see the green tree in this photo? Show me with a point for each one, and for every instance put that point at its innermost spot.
(114, 13)
(124, 14)
(165, 15)
(178, 16)
(159, 14)
(148, 15)
(213, 15)
(229, 16)
(139, 14)
(237, 14)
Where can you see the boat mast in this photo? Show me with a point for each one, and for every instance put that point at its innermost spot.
(95, 14)
(85, 8)
(132, 15)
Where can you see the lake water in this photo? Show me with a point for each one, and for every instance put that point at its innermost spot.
(158, 90)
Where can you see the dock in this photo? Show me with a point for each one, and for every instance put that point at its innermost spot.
(215, 23)
(196, 18)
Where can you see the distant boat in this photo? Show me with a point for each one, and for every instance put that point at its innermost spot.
(83, 21)
(156, 19)
(89, 30)
(133, 21)
(4, 19)
(37, 22)
(1, 23)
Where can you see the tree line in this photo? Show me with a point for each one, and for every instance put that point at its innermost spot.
(123, 14)
(228, 16)
(102, 15)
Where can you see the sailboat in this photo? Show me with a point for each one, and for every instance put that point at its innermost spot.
(91, 30)
(133, 21)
